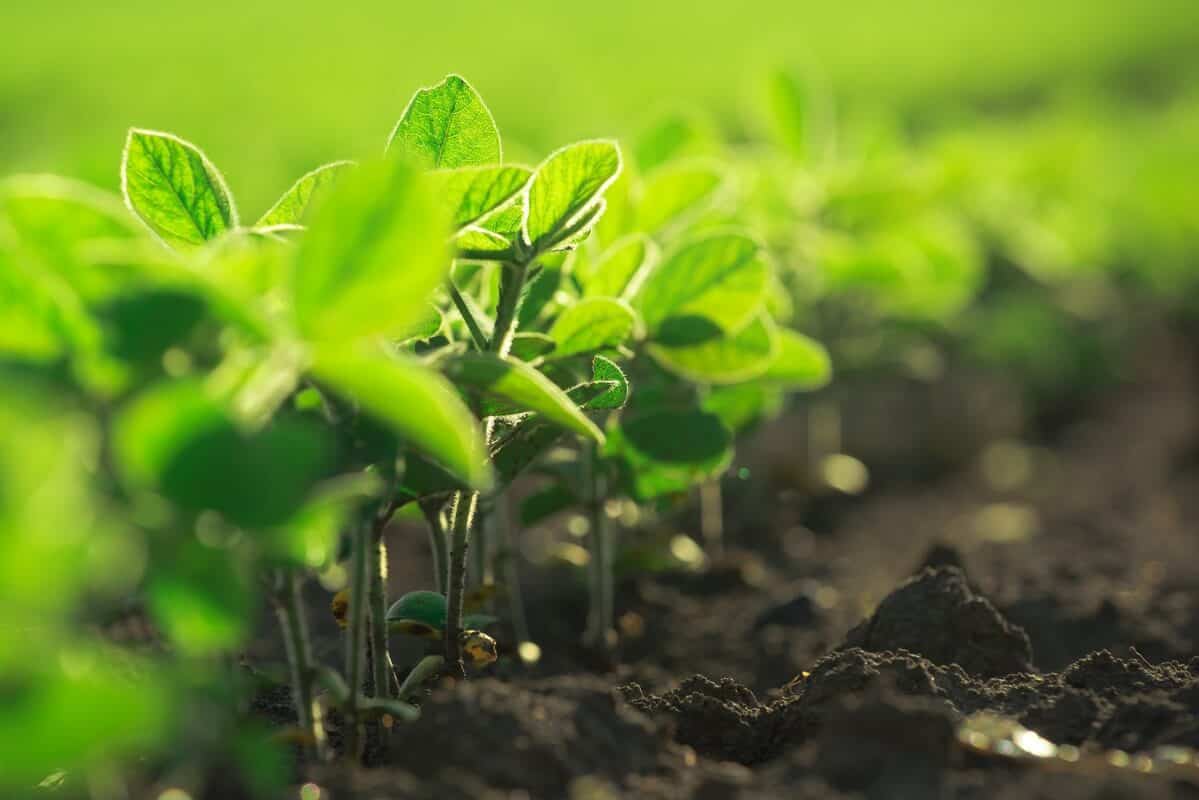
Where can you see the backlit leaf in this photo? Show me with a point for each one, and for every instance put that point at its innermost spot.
(175, 190)
(596, 323)
(721, 277)
(374, 253)
(565, 187)
(296, 203)
(446, 126)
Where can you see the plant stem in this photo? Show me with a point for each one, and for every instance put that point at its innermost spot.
(468, 316)
(381, 674)
(289, 609)
(599, 618)
(711, 516)
(512, 281)
(356, 636)
(462, 515)
(437, 543)
(511, 558)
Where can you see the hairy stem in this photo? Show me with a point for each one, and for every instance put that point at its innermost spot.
(356, 636)
(381, 673)
(512, 281)
(462, 515)
(468, 316)
(600, 613)
(289, 609)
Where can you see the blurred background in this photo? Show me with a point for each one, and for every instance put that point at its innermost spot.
(271, 88)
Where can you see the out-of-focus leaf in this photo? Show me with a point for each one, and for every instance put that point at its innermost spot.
(694, 348)
(596, 323)
(674, 193)
(801, 363)
(721, 277)
(375, 252)
(619, 269)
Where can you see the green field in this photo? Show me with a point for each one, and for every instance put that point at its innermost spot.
(271, 87)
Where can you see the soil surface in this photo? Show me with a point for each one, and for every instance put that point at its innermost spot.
(1020, 622)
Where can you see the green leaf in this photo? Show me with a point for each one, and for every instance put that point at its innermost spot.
(471, 193)
(666, 451)
(740, 405)
(619, 270)
(671, 137)
(801, 363)
(596, 323)
(545, 503)
(180, 441)
(474, 239)
(415, 402)
(565, 187)
(531, 345)
(375, 252)
(447, 126)
(297, 202)
(200, 600)
(676, 193)
(57, 218)
(694, 348)
(521, 385)
(175, 190)
(720, 276)
(605, 371)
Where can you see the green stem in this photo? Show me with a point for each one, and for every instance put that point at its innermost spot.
(599, 617)
(462, 515)
(382, 676)
(356, 637)
(468, 316)
(289, 608)
(512, 281)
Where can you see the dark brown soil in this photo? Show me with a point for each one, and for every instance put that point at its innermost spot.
(840, 645)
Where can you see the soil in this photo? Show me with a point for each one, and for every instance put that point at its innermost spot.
(863, 647)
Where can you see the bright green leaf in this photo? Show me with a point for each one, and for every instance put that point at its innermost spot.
(619, 270)
(801, 363)
(565, 187)
(605, 370)
(521, 385)
(695, 349)
(470, 193)
(721, 277)
(374, 253)
(447, 126)
(298, 201)
(175, 190)
(673, 194)
(415, 402)
(596, 323)
(671, 137)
